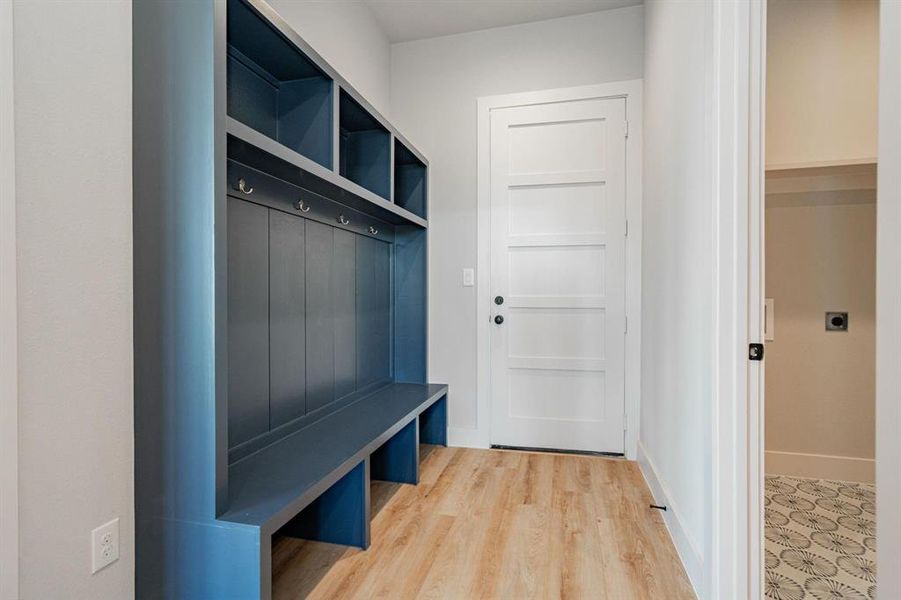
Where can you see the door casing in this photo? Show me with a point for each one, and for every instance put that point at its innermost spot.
(631, 91)
(9, 395)
(737, 566)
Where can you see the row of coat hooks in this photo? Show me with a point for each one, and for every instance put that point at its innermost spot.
(300, 205)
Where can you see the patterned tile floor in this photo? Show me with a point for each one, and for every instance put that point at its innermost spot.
(820, 539)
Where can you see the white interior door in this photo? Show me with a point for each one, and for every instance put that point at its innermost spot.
(558, 224)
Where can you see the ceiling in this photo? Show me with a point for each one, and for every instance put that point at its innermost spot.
(406, 20)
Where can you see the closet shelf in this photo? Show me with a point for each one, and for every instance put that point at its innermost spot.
(270, 156)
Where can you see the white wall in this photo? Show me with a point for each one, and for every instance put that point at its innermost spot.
(888, 301)
(73, 183)
(822, 65)
(435, 84)
(348, 36)
(678, 246)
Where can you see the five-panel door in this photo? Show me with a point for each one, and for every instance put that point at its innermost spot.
(558, 275)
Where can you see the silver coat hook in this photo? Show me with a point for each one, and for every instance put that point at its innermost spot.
(242, 186)
(302, 206)
(343, 220)
(373, 230)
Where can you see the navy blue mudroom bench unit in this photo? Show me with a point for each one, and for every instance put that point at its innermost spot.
(280, 228)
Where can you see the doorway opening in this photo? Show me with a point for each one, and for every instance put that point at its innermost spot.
(819, 249)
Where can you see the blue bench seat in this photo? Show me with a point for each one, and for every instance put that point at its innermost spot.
(269, 488)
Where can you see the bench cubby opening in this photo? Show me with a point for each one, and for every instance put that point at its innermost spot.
(364, 153)
(397, 460)
(275, 89)
(433, 424)
(340, 515)
(410, 183)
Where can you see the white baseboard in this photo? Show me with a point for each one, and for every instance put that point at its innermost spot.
(820, 466)
(461, 437)
(685, 545)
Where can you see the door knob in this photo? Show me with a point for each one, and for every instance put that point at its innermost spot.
(498, 319)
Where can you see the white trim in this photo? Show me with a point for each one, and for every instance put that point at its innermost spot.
(462, 437)
(820, 466)
(630, 90)
(819, 164)
(756, 307)
(686, 547)
(9, 397)
(888, 301)
(735, 551)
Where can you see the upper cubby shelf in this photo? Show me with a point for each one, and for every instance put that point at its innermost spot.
(284, 100)
(409, 180)
(251, 148)
(275, 89)
(365, 148)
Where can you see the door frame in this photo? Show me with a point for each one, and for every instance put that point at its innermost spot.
(9, 397)
(888, 299)
(736, 538)
(735, 124)
(631, 91)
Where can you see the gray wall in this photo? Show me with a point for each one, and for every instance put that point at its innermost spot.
(73, 177)
(435, 84)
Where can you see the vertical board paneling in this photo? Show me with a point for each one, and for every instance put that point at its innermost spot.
(287, 336)
(248, 321)
(373, 311)
(320, 335)
(344, 296)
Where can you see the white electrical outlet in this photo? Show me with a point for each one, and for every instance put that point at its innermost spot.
(469, 277)
(104, 545)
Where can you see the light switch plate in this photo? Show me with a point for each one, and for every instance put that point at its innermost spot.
(105, 545)
(469, 277)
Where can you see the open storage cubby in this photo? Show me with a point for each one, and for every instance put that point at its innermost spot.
(343, 512)
(280, 309)
(275, 89)
(410, 182)
(364, 151)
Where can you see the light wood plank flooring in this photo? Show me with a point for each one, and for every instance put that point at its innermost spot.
(498, 524)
